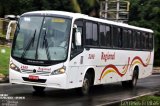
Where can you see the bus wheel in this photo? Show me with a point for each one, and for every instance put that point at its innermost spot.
(131, 83)
(84, 90)
(38, 88)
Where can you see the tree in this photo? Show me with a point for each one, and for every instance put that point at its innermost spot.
(89, 7)
(18, 7)
(146, 13)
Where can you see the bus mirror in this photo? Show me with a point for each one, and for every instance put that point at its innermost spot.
(75, 26)
(78, 40)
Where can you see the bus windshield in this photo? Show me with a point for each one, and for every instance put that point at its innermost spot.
(41, 38)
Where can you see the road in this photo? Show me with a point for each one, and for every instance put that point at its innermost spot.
(54, 97)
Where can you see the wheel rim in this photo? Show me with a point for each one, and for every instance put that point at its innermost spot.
(85, 87)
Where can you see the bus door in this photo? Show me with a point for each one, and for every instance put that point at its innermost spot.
(76, 58)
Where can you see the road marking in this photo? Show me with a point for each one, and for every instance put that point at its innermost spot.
(119, 101)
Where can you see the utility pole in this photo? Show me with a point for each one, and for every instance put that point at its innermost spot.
(116, 10)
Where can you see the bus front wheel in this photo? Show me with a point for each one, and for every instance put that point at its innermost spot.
(38, 88)
(84, 90)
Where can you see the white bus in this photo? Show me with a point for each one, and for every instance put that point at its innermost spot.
(70, 50)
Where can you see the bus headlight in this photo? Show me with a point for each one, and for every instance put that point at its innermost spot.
(59, 71)
(14, 67)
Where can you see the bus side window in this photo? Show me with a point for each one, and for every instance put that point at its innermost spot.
(76, 49)
(130, 35)
(103, 37)
(91, 38)
(108, 36)
(134, 39)
(125, 38)
(115, 37)
(150, 41)
(138, 43)
(89, 33)
(119, 37)
(147, 41)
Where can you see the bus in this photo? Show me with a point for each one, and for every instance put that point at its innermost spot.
(66, 50)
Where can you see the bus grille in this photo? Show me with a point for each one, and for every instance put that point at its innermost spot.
(42, 73)
(39, 80)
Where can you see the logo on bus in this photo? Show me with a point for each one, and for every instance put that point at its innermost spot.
(44, 69)
(107, 56)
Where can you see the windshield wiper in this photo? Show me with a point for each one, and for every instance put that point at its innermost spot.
(18, 26)
(29, 44)
(45, 44)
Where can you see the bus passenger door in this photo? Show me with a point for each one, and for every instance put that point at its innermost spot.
(76, 57)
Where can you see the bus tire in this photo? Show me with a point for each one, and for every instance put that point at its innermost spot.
(85, 89)
(38, 88)
(131, 83)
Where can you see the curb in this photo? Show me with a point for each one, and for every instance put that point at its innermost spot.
(118, 102)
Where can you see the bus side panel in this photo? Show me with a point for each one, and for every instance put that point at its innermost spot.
(109, 65)
(118, 65)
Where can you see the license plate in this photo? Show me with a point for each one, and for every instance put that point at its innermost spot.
(31, 77)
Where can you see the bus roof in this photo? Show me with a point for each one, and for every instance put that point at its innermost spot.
(78, 15)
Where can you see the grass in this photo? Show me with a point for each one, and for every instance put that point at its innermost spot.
(148, 98)
(4, 59)
(143, 101)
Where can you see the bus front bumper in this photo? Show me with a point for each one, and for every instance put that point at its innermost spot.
(52, 81)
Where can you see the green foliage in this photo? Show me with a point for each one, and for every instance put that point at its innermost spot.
(156, 98)
(76, 6)
(146, 13)
(91, 2)
(17, 7)
(89, 7)
(143, 101)
(4, 60)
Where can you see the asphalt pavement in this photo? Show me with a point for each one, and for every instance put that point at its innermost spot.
(22, 95)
